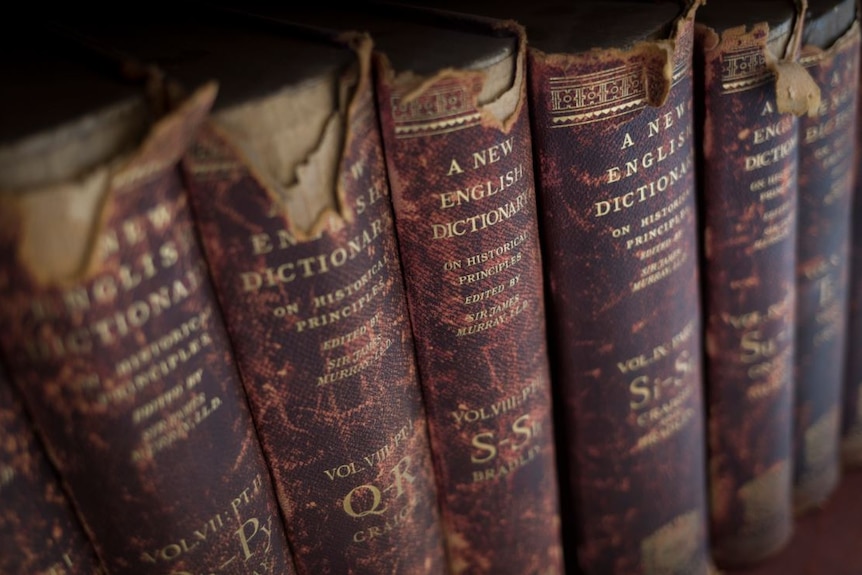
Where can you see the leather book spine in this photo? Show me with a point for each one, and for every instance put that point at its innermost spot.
(749, 214)
(125, 367)
(826, 170)
(319, 322)
(464, 197)
(617, 190)
(39, 530)
(851, 417)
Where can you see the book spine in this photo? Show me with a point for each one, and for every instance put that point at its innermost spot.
(826, 167)
(127, 371)
(749, 211)
(851, 420)
(39, 531)
(464, 197)
(617, 190)
(319, 322)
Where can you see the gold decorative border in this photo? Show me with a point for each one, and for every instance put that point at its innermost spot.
(597, 96)
(446, 107)
(744, 68)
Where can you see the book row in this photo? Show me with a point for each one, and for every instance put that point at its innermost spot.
(470, 289)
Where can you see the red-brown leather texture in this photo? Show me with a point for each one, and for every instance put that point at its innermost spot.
(39, 531)
(129, 377)
(826, 167)
(749, 206)
(464, 197)
(323, 341)
(616, 186)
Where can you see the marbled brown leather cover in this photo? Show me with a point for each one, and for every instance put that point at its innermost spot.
(617, 189)
(320, 326)
(749, 206)
(463, 191)
(39, 531)
(128, 374)
(826, 174)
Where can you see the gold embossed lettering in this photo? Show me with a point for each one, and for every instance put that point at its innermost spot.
(493, 154)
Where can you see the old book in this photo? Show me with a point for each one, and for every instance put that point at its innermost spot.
(458, 149)
(453, 111)
(613, 131)
(459, 157)
(111, 330)
(288, 185)
(752, 87)
(39, 530)
(851, 417)
(827, 142)
(619, 228)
